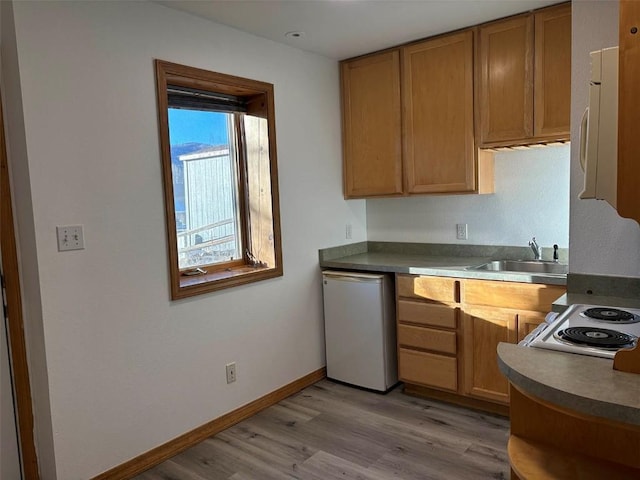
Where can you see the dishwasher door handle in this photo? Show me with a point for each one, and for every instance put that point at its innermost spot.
(352, 277)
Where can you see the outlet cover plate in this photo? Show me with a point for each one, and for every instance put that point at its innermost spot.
(348, 231)
(462, 232)
(231, 372)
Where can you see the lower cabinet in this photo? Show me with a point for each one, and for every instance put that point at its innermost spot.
(483, 329)
(527, 322)
(433, 370)
(449, 330)
(428, 331)
(497, 312)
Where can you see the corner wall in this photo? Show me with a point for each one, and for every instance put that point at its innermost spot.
(124, 368)
(25, 243)
(601, 242)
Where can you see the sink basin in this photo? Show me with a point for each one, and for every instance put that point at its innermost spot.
(524, 266)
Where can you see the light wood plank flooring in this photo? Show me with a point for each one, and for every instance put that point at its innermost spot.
(330, 431)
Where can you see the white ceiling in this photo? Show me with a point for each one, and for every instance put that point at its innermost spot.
(342, 29)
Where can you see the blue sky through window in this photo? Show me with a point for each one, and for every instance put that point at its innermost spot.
(192, 131)
(197, 126)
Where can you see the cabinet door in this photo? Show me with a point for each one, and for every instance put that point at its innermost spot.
(371, 125)
(506, 80)
(527, 322)
(629, 112)
(483, 329)
(552, 87)
(437, 99)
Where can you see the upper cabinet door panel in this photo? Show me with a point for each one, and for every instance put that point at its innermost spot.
(506, 80)
(437, 100)
(552, 86)
(629, 111)
(371, 125)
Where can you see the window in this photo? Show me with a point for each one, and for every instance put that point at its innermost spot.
(217, 139)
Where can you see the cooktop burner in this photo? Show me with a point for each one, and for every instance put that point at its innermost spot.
(573, 331)
(614, 315)
(595, 337)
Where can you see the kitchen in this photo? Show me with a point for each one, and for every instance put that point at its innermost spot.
(104, 347)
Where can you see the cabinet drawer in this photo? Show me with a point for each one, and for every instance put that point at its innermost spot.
(429, 288)
(519, 296)
(428, 369)
(427, 314)
(427, 338)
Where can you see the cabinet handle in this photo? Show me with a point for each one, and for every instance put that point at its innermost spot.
(583, 138)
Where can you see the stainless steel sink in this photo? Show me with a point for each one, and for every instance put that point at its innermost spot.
(524, 266)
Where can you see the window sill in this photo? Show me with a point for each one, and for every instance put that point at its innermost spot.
(189, 286)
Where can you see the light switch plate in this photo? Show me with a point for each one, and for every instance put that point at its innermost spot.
(70, 237)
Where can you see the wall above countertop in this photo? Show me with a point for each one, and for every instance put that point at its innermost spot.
(531, 199)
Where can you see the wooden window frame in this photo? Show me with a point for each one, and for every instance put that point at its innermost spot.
(259, 98)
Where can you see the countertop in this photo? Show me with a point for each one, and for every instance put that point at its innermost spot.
(584, 384)
(568, 299)
(436, 265)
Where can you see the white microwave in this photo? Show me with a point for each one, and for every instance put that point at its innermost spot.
(599, 129)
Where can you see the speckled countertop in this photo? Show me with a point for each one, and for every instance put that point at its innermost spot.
(605, 290)
(568, 299)
(587, 385)
(437, 260)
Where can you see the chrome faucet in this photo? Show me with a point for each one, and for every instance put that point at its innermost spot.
(537, 251)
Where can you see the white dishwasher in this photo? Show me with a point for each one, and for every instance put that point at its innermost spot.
(360, 329)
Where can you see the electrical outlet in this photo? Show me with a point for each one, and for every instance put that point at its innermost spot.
(231, 372)
(461, 231)
(70, 237)
(348, 231)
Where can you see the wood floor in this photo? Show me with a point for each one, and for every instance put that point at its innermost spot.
(330, 431)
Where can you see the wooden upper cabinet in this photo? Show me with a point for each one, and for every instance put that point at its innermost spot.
(629, 110)
(524, 78)
(371, 125)
(437, 101)
(552, 86)
(506, 80)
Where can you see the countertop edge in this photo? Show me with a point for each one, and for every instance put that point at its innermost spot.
(447, 271)
(568, 299)
(596, 407)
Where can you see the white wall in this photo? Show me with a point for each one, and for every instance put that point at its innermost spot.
(26, 244)
(9, 458)
(9, 454)
(531, 199)
(126, 369)
(601, 241)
